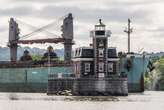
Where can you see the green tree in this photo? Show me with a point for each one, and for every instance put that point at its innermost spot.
(36, 57)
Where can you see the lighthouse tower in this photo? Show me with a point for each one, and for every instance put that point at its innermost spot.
(100, 46)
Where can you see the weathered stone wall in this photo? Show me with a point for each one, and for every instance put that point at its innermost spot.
(89, 86)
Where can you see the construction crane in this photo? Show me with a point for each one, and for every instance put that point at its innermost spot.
(66, 38)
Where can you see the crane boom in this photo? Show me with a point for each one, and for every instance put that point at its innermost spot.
(41, 41)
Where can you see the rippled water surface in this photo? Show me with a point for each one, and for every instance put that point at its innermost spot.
(149, 100)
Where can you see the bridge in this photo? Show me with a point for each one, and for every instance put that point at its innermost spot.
(66, 38)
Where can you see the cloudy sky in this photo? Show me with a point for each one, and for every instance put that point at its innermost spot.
(147, 20)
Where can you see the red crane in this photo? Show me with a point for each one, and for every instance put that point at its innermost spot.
(66, 37)
(41, 41)
(57, 39)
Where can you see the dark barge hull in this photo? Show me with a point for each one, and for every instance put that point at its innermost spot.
(89, 86)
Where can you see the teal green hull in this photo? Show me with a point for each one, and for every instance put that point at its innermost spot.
(28, 79)
(36, 79)
(136, 72)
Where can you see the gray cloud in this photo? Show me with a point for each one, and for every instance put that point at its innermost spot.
(132, 2)
(114, 14)
(84, 15)
(159, 32)
(117, 14)
(159, 29)
(114, 2)
(3, 28)
(17, 11)
(38, 1)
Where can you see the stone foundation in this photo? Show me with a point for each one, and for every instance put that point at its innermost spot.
(89, 86)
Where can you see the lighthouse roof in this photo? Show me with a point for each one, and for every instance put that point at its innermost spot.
(100, 24)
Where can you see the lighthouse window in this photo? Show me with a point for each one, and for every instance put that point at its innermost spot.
(101, 67)
(101, 51)
(80, 52)
(100, 32)
(87, 67)
(75, 52)
(101, 44)
(110, 67)
(101, 75)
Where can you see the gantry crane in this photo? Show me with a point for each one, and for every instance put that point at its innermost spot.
(66, 38)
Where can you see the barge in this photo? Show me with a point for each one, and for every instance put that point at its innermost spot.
(93, 70)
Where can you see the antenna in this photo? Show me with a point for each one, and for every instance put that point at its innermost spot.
(128, 31)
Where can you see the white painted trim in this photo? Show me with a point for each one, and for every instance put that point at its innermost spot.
(110, 67)
(101, 66)
(101, 52)
(111, 47)
(82, 59)
(101, 75)
(135, 55)
(113, 59)
(84, 47)
(100, 36)
(91, 59)
(87, 67)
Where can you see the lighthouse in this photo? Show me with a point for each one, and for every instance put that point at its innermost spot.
(96, 68)
(100, 46)
(97, 60)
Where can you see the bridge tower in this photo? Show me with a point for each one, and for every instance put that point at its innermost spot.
(13, 37)
(67, 29)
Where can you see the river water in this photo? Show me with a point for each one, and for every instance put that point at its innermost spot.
(149, 100)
